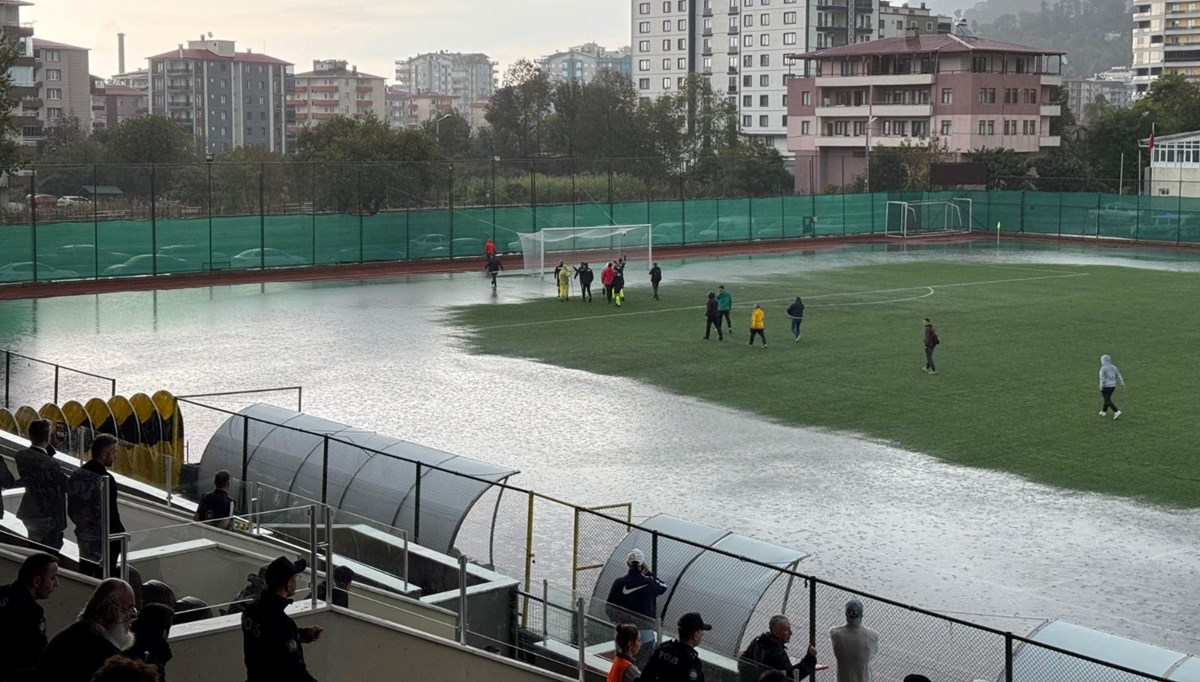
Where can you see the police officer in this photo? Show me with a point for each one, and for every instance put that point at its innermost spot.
(677, 660)
(22, 623)
(631, 600)
(271, 642)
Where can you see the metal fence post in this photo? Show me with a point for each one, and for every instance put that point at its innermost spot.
(7, 373)
(312, 557)
(404, 559)
(153, 224)
(581, 638)
(105, 550)
(1008, 657)
(528, 559)
(124, 556)
(417, 507)
(325, 470)
(33, 220)
(255, 507)
(812, 611)
(328, 552)
(56, 384)
(462, 599)
(545, 608)
(262, 219)
(245, 452)
(168, 467)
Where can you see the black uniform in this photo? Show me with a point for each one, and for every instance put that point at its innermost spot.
(271, 642)
(674, 661)
(22, 632)
(655, 278)
(585, 276)
(83, 506)
(43, 508)
(214, 506)
(493, 266)
(768, 653)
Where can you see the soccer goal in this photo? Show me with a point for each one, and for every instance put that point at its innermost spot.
(595, 245)
(922, 218)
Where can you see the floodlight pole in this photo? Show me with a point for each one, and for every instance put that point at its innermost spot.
(870, 120)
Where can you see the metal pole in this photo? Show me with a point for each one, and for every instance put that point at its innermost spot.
(1008, 657)
(528, 559)
(325, 470)
(328, 551)
(262, 220)
(124, 556)
(7, 372)
(812, 611)
(153, 224)
(312, 557)
(56, 384)
(1121, 182)
(33, 220)
(404, 559)
(545, 608)
(168, 462)
(105, 550)
(255, 504)
(417, 507)
(95, 227)
(581, 638)
(462, 599)
(245, 452)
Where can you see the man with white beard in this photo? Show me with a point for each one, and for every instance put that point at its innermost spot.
(102, 630)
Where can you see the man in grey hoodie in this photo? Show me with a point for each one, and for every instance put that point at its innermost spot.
(854, 645)
(1110, 377)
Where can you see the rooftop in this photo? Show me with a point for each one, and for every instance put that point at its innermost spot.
(340, 73)
(42, 42)
(208, 55)
(932, 42)
(123, 90)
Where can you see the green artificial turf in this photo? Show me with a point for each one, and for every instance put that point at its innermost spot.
(1016, 388)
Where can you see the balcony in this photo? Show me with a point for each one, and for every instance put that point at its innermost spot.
(179, 102)
(827, 28)
(293, 102)
(863, 8)
(179, 70)
(1052, 80)
(18, 31)
(732, 71)
(300, 89)
(876, 80)
(324, 88)
(876, 110)
(863, 29)
(31, 103)
(733, 30)
(832, 5)
(1050, 110)
(1049, 141)
(732, 90)
(364, 89)
(860, 141)
(324, 102)
(301, 116)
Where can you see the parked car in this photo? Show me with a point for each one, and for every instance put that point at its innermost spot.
(71, 201)
(42, 200)
(270, 258)
(195, 253)
(83, 257)
(23, 272)
(430, 246)
(148, 263)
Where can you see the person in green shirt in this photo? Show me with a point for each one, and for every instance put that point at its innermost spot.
(724, 305)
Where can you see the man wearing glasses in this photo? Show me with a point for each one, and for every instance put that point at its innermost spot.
(102, 630)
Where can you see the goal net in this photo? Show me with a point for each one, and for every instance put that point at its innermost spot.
(543, 249)
(919, 218)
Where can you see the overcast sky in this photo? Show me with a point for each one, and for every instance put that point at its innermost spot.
(371, 34)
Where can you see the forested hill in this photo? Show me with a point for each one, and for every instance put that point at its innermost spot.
(1095, 34)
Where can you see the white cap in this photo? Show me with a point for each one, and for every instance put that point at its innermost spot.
(636, 557)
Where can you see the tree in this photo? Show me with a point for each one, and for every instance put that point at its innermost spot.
(1006, 168)
(518, 111)
(452, 135)
(65, 157)
(11, 154)
(150, 139)
(905, 167)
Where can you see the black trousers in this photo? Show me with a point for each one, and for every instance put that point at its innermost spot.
(929, 358)
(713, 322)
(758, 332)
(1107, 392)
(608, 293)
(724, 315)
(585, 291)
(44, 532)
(654, 285)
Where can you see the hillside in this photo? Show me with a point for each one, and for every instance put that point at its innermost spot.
(1095, 34)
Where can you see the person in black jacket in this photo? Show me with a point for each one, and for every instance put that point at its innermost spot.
(343, 576)
(84, 506)
(43, 507)
(678, 660)
(713, 317)
(631, 599)
(216, 507)
(102, 631)
(796, 313)
(585, 275)
(22, 621)
(271, 642)
(150, 632)
(768, 651)
(655, 278)
(618, 283)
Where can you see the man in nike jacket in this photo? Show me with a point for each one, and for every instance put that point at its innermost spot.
(632, 597)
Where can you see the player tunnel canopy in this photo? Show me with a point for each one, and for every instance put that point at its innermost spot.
(724, 589)
(285, 450)
(1032, 663)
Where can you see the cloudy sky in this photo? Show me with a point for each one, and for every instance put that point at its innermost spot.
(368, 33)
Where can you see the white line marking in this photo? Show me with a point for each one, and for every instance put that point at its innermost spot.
(931, 289)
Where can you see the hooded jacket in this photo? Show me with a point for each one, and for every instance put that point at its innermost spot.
(756, 318)
(634, 594)
(796, 309)
(854, 646)
(724, 301)
(1110, 376)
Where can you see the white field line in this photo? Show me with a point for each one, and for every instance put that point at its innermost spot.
(930, 291)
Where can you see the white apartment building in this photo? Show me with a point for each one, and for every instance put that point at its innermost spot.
(467, 77)
(1166, 39)
(895, 20)
(741, 46)
(334, 88)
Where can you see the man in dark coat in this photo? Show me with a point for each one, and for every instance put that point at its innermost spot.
(712, 317)
(103, 630)
(22, 621)
(585, 276)
(655, 278)
(768, 651)
(677, 660)
(271, 642)
(85, 506)
(795, 312)
(631, 599)
(43, 507)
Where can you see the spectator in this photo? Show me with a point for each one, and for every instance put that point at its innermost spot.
(190, 610)
(712, 317)
(124, 669)
(84, 506)
(255, 586)
(158, 592)
(795, 313)
(854, 645)
(271, 642)
(216, 507)
(343, 576)
(631, 599)
(102, 630)
(43, 507)
(585, 275)
(655, 279)
(768, 651)
(724, 305)
(629, 643)
(677, 660)
(22, 621)
(150, 632)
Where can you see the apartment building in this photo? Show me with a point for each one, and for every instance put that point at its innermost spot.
(469, 77)
(334, 88)
(742, 47)
(139, 79)
(1166, 39)
(224, 97)
(411, 110)
(113, 103)
(581, 63)
(971, 92)
(896, 20)
(66, 82)
(25, 84)
(1115, 84)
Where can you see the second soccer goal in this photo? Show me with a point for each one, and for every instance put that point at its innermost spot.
(921, 218)
(595, 245)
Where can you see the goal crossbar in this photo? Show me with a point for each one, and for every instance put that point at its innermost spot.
(590, 243)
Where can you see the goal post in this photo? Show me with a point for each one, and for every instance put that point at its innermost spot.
(933, 217)
(594, 244)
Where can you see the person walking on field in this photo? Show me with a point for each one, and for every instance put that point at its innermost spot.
(1110, 378)
(563, 274)
(724, 305)
(712, 317)
(489, 249)
(585, 275)
(655, 278)
(796, 312)
(606, 278)
(493, 266)
(757, 325)
(931, 342)
(618, 284)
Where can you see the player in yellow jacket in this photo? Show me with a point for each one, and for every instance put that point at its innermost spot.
(757, 325)
(564, 281)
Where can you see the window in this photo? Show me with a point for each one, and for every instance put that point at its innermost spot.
(979, 64)
(945, 127)
(764, 81)
(667, 45)
(667, 7)
(747, 60)
(643, 65)
(804, 127)
(666, 64)
(53, 93)
(987, 95)
(806, 98)
(748, 20)
(681, 25)
(733, 42)
(682, 5)
(666, 25)
(708, 63)
(643, 27)
(982, 127)
(785, 100)
(763, 121)
(52, 56)
(789, 17)
(764, 59)
(249, 115)
(747, 81)
(789, 38)
(53, 74)
(681, 63)
(947, 96)
(747, 40)
(747, 121)
(733, 63)
(764, 20)
(681, 44)
(920, 128)
(643, 45)
(666, 84)
(643, 84)
(53, 113)
(764, 40)
(249, 131)
(764, 100)
(747, 100)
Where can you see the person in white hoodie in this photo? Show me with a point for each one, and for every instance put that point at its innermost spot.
(854, 645)
(1110, 377)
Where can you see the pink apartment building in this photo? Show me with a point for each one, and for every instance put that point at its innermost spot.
(971, 92)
